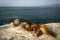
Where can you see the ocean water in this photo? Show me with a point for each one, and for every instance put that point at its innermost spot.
(30, 14)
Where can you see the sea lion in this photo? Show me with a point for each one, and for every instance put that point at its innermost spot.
(44, 30)
(26, 26)
(36, 29)
(38, 32)
(16, 22)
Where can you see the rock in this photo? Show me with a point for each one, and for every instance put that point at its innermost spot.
(18, 33)
(46, 37)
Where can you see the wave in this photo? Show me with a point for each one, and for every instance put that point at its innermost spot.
(6, 25)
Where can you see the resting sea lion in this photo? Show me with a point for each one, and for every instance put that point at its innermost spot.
(44, 30)
(38, 32)
(36, 29)
(26, 26)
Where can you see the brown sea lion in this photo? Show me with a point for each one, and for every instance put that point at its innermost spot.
(44, 30)
(16, 22)
(26, 26)
(36, 29)
(38, 32)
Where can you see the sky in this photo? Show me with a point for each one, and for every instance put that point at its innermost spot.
(28, 2)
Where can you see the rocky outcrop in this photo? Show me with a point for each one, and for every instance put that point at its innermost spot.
(18, 33)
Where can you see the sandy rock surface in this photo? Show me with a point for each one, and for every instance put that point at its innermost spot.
(18, 33)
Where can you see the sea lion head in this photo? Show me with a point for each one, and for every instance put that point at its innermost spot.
(42, 26)
(26, 26)
(16, 22)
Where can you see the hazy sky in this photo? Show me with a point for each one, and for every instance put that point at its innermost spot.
(28, 2)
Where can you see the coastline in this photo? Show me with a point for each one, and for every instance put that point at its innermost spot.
(45, 24)
(16, 34)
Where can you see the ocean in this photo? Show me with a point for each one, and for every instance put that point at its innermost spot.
(30, 14)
